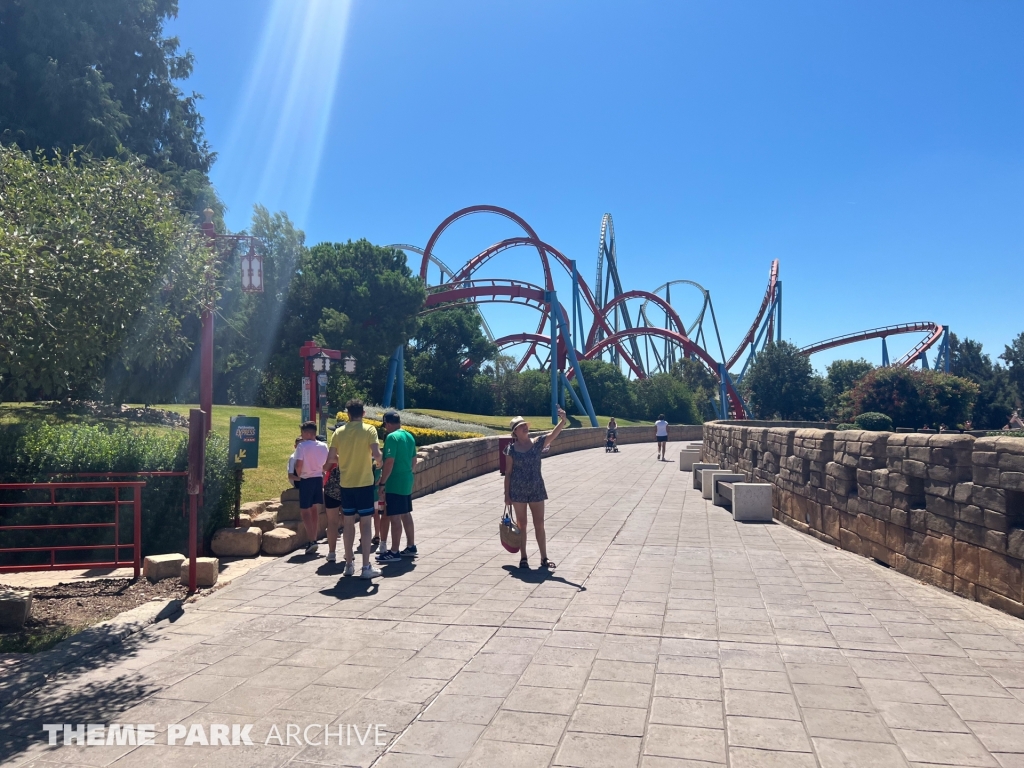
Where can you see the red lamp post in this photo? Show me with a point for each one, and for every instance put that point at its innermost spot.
(252, 282)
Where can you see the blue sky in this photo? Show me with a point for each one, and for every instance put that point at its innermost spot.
(876, 149)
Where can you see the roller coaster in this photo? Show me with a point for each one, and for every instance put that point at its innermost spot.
(639, 331)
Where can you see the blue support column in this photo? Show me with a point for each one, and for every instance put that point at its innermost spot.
(554, 359)
(924, 361)
(566, 387)
(556, 312)
(778, 312)
(389, 387)
(401, 377)
(945, 349)
(885, 353)
(577, 328)
(723, 392)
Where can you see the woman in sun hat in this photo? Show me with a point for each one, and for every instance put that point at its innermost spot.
(524, 485)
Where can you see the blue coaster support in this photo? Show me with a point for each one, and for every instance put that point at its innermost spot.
(885, 353)
(558, 322)
(389, 387)
(401, 377)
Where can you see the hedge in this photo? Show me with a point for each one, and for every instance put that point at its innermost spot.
(38, 454)
(423, 435)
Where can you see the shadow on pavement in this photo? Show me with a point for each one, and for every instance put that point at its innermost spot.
(538, 576)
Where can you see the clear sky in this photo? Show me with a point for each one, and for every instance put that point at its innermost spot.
(875, 148)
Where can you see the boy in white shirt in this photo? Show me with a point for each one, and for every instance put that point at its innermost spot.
(310, 457)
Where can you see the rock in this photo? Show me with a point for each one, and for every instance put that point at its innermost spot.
(299, 529)
(289, 511)
(207, 569)
(237, 542)
(244, 520)
(290, 494)
(280, 541)
(157, 567)
(15, 608)
(265, 521)
(253, 508)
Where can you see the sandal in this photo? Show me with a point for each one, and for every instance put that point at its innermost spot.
(524, 563)
(545, 563)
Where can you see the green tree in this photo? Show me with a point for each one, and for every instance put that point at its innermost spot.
(525, 393)
(354, 296)
(608, 388)
(780, 384)
(101, 75)
(914, 398)
(99, 268)
(995, 392)
(666, 394)
(1013, 356)
(702, 382)
(445, 357)
(840, 377)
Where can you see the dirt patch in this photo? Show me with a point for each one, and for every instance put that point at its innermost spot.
(64, 609)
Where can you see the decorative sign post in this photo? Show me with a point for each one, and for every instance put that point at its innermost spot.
(196, 472)
(317, 362)
(243, 452)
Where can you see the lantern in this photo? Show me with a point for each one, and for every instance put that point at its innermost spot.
(350, 364)
(252, 271)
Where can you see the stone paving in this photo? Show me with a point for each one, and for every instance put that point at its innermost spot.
(668, 636)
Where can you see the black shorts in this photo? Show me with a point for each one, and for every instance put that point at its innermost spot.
(397, 504)
(662, 438)
(311, 491)
(331, 503)
(358, 501)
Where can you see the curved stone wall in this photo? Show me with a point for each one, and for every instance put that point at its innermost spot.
(947, 509)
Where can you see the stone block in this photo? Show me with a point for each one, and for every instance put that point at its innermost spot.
(290, 494)
(975, 534)
(990, 498)
(999, 602)
(1009, 462)
(698, 469)
(1015, 543)
(280, 541)
(934, 551)
(687, 458)
(970, 514)
(985, 458)
(915, 468)
(966, 561)
(1000, 574)
(895, 537)
(711, 476)
(996, 541)
(289, 511)
(962, 492)
(237, 542)
(986, 476)
(1013, 481)
(996, 521)
(265, 521)
(15, 608)
(253, 508)
(158, 567)
(207, 569)
(752, 502)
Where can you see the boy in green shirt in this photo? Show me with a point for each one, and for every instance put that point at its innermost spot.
(395, 487)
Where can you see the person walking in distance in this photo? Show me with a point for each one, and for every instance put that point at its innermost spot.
(395, 488)
(310, 455)
(354, 449)
(524, 485)
(661, 435)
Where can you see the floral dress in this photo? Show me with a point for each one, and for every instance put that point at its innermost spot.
(526, 484)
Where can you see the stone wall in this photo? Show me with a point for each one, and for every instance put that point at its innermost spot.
(443, 464)
(947, 509)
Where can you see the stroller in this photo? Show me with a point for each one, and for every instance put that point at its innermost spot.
(610, 442)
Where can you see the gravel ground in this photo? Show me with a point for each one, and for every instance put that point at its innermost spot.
(61, 610)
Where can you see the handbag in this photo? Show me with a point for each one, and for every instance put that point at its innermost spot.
(509, 532)
(332, 488)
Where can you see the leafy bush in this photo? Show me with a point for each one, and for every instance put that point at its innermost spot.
(37, 454)
(874, 422)
(845, 427)
(912, 398)
(1007, 433)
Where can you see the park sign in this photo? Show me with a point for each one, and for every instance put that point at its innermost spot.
(244, 442)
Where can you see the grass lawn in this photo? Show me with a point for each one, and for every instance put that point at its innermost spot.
(278, 429)
(501, 422)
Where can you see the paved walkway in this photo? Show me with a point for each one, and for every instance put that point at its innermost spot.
(669, 636)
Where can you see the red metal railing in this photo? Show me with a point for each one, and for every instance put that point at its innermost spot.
(54, 504)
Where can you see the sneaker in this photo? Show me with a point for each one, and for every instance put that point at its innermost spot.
(388, 557)
(409, 551)
(350, 568)
(369, 572)
(332, 557)
(311, 548)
